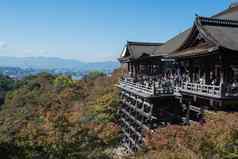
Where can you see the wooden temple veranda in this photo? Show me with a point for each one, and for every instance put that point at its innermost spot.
(176, 81)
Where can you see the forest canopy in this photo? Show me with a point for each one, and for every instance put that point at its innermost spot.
(49, 116)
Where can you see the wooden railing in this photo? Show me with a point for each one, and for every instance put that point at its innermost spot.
(164, 90)
(188, 87)
(202, 89)
(177, 90)
(137, 87)
(151, 90)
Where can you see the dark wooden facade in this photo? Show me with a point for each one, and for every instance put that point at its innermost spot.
(179, 80)
(207, 62)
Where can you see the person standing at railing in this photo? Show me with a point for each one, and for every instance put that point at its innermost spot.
(188, 79)
(146, 84)
(202, 81)
(234, 87)
(235, 84)
(215, 82)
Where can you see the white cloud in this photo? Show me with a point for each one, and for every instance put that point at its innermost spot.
(3, 44)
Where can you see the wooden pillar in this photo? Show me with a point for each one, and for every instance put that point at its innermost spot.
(145, 69)
(207, 74)
(148, 69)
(132, 69)
(202, 111)
(128, 67)
(193, 76)
(137, 69)
(221, 75)
(199, 72)
(188, 112)
(224, 75)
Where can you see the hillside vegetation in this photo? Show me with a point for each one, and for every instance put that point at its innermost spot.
(55, 117)
(216, 139)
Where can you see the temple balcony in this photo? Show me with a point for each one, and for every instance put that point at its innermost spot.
(214, 91)
(150, 88)
(145, 88)
(202, 89)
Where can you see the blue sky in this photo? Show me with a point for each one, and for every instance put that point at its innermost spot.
(93, 30)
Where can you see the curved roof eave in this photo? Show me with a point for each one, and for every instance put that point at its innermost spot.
(206, 35)
(176, 42)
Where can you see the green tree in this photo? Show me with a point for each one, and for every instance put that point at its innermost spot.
(93, 75)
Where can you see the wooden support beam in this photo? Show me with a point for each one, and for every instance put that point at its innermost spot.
(188, 113)
(137, 121)
(131, 139)
(132, 128)
(195, 109)
(147, 115)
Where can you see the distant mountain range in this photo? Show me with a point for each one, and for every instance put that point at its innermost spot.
(55, 63)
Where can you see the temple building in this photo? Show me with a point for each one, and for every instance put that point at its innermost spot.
(177, 81)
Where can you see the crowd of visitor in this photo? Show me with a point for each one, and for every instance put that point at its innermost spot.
(174, 79)
(166, 80)
(181, 78)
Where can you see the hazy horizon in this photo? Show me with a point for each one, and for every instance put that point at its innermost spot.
(62, 58)
(92, 30)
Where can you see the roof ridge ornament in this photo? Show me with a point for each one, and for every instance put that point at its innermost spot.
(217, 22)
(144, 43)
(233, 4)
